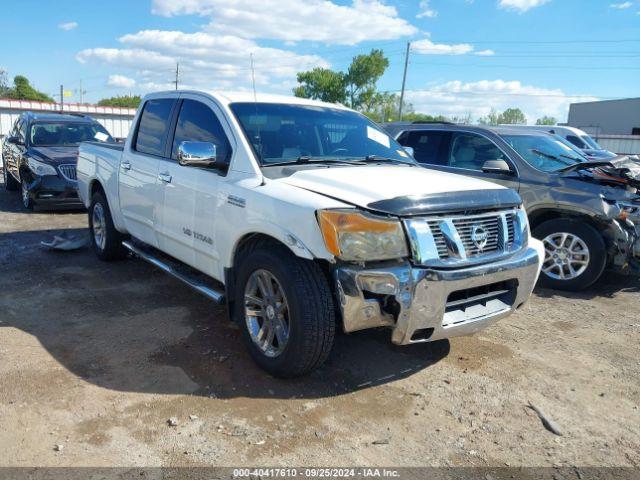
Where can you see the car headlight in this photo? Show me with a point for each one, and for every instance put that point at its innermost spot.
(357, 236)
(40, 168)
(629, 210)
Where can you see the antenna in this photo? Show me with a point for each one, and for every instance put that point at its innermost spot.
(253, 81)
(177, 74)
(255, 102)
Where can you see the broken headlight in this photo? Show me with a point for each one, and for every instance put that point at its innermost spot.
(358, 236)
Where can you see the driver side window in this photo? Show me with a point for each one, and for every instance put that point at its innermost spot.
(470, 151)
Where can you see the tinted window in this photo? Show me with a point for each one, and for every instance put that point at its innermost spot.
(21, 130)
(577, 141)
(544, 152)
(198, 123)
(154, 124)
(426, 145)
(66, 134)
(471, 151)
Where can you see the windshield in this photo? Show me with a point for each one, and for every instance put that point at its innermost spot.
(283, 133)
(60, 134)
(544, 152)
(591, 142)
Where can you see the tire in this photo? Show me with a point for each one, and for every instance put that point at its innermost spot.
(10, 183)
(108, 242)
(309, 314)
(27, 201)
(588, 269)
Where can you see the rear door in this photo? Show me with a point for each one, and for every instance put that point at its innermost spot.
(189, 195)
(139, 194)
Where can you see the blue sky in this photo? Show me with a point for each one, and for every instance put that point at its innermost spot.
(467, 56)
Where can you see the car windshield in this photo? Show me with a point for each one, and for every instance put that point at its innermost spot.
(544, 152)
(57, 134)
(285, 133)
(591, 142)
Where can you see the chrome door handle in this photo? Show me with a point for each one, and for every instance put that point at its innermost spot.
(125, 166)
(164, 177)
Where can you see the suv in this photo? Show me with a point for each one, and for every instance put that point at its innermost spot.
(581, 139)
(40, 154)
(586, 213)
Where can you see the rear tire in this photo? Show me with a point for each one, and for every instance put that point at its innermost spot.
(300, 304)
(580, 254)
(105, 239)
(10, 183)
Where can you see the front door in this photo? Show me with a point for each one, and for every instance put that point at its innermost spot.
(186, 227)
(138, 181)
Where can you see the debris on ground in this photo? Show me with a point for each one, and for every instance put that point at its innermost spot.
(546, 421)
(67, 241)
(382, 441)
(58, 447)
(172, 422)
(193, 417)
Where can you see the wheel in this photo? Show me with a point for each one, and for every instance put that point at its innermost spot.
(105, 239)
(27, 202)
(285, 309)
(575, 254)
(10, 183)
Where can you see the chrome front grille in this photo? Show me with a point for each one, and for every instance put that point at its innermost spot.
(466, 239)
(68, 172)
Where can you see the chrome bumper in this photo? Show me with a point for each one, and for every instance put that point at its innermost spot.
(421, 304)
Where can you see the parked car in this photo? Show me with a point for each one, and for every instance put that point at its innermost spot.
(586, 213)
(579, 138)
(302, 215)
(40, 154)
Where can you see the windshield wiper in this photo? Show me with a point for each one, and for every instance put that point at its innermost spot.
(380, 158)
(305, 159)
(584, 166)
(550, 156)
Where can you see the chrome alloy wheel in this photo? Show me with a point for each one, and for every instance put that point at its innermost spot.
(566, 256)
(99, 226)
(26, 199)
(266, 313)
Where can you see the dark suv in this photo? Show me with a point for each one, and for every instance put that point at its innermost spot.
(40, 154)
(586, 213)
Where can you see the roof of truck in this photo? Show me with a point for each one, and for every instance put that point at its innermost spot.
(226, 98)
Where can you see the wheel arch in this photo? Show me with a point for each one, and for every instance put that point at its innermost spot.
(539, 216)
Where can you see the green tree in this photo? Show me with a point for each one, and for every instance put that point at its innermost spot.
(355, 88)
(322, 84)
(493, 118)
(513, 116)
(4, 87)
(546, 121)
(124, 101)
(22, 90)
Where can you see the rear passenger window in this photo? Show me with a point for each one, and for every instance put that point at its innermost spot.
(426, 145)
(198, 123)
(154, 125)
(470, 151)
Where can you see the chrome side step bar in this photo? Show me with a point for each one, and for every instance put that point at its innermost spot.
(165, 265)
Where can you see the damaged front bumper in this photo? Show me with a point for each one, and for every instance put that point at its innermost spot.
(623, 238)
(50, 191)
(423, 304)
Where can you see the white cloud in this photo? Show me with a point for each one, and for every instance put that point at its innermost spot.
(427, 47)
(295, 20)
(68, 26)
(426, 10)
(521, 5)
(622, 6)
(207, 61)
(120, 81)
(457, 98)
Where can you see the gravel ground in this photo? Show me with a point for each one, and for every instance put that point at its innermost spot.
(95, 358)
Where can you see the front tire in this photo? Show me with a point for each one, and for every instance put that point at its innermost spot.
(575, 254)
(27, 201)
(285, 309)
(105, 239)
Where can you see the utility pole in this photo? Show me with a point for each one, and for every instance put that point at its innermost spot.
(82, 92)
(177, 74)
(404, 79)
(61, 98)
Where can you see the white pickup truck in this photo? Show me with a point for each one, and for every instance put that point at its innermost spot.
(304, 216)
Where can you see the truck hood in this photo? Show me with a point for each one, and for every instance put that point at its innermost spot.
(55, 155)
(366, 185)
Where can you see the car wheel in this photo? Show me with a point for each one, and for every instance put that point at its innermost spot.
(10, 183)
(105, 239)
(27, 201)
(285, 309)
(575, 254)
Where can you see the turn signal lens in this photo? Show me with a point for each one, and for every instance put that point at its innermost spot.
(357, 236)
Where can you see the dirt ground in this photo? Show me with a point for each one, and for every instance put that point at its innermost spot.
(95, 358)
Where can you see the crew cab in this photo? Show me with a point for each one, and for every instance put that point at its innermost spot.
(40, 153)
(303, 216)
(587, 213)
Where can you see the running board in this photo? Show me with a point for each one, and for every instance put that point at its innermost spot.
(177, 270)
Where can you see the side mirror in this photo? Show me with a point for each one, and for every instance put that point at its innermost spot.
(197, 154)
(497, 166)
(409, 150)
(14, 141)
